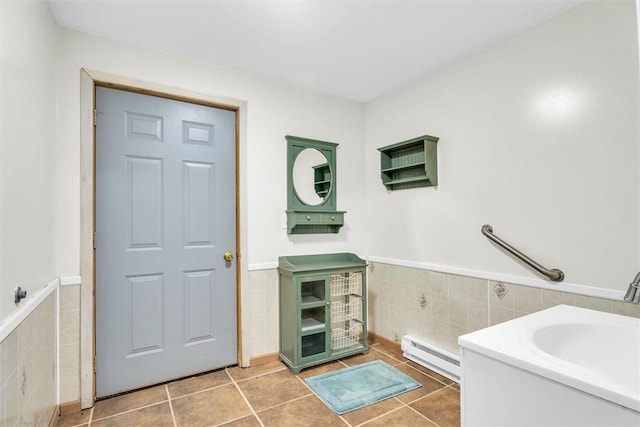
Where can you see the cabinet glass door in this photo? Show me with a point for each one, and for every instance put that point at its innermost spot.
(314, 317)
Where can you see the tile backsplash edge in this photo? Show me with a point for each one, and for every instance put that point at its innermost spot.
(26, 307)
(515, 280)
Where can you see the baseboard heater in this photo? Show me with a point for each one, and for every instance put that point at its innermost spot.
(432, 357)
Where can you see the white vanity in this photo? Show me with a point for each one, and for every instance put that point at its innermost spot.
(564, 366)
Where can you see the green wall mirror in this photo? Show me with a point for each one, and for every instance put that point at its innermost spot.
(311, 187)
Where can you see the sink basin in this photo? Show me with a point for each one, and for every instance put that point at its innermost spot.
(595, 352)
(564, 366)
(589, 345)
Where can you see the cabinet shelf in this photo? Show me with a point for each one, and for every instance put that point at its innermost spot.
(310, 299)
(410, 164)
(310, 324)
(415, 179)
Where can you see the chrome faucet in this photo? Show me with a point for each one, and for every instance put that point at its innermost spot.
(633, 293)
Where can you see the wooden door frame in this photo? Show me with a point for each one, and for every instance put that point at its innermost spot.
(89, 79)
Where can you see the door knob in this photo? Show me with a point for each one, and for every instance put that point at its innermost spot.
(228, 256)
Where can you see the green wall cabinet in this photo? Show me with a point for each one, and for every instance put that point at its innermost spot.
(323, 308)
(410, 164)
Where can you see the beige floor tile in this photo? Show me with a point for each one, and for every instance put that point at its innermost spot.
(429, 385)
(250, 421)
(280, 399)
(308, 411)
(401, 417)
(370, 412)
(198, 383)
(239, 374)
(273, 389)
(127, 402)
(372, 355)
(154, 416)
(321, 369)
(429, 372)
(392, 350)
(69, 420)
(215, 406)
(442, 407)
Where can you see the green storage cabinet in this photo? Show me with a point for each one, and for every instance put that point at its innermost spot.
(323, 308)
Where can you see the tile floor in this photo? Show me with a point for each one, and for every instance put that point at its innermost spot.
(270, 395)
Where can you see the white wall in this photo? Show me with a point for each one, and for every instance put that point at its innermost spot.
(539, 137)
(565, 190)
(273, 111)
(28, 45)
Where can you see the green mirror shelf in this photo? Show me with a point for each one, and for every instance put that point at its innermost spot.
(311, 187)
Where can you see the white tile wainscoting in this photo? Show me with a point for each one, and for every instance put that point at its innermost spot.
(69, 342)
(28, 362)
(39, 354)
(433, 306)
(438, 307)
(407, 298)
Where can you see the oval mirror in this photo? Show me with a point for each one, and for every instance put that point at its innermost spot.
(311, 176)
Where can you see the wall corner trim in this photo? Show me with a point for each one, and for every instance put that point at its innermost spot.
(263, 266)
(70, 281)
(26, 307)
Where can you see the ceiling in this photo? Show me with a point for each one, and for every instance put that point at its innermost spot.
(354, 49)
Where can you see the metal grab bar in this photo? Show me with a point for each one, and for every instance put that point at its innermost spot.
(554, 274)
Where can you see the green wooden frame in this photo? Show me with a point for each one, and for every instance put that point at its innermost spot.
(323, 217)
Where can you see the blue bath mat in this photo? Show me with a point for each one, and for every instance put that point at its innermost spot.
(358, 386)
